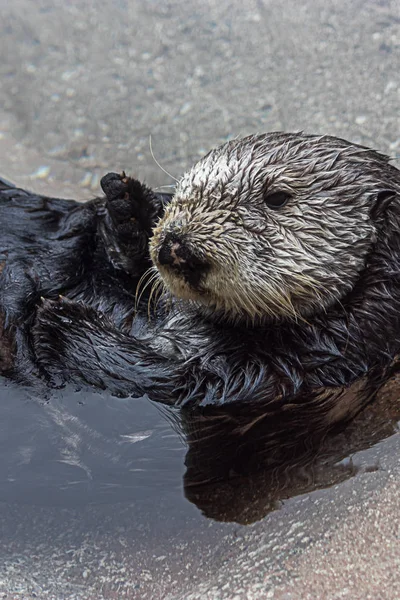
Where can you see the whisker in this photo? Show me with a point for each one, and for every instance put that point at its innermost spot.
(139, 283)
(161, 187)
(151, 278)
(161, 292)
(158, 164)
(153, 291)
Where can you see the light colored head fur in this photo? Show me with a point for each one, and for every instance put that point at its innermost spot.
(282, 262)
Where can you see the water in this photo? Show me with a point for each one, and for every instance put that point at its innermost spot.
(85, 447)
(109, 497)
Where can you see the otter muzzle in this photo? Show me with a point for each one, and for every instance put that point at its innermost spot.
(176, 254)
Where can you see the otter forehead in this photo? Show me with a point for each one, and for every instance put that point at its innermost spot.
(243, 169)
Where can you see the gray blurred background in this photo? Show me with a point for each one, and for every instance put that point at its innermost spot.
(83, 86)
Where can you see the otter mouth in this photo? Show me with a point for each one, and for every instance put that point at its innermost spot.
(179, 285)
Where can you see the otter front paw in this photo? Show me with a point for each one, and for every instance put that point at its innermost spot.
(130, 203)
(74, 342)
(61, 334)
(132, 211)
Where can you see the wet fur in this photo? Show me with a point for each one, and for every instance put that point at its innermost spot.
(334, 312)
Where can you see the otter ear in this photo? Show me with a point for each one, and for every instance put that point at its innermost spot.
(383, 200)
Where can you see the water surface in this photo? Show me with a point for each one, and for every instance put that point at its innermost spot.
(109, 497)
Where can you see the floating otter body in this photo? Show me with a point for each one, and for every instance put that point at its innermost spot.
(279, 257)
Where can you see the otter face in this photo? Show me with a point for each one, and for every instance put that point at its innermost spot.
(274, 225)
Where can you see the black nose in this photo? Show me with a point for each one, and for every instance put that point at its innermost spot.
(177, 254)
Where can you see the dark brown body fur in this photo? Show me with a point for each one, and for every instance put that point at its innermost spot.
(298, 367)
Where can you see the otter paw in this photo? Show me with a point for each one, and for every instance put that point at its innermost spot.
(123, 196)
(62, 316)
(130, 203)
(61, 327)
(132, 208)
(114, 185)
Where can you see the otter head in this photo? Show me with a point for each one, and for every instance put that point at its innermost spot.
(273, 225)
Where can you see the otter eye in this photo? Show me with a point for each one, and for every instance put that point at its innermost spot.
(277, 199)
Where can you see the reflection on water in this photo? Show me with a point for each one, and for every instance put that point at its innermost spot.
(89, 447)
(239, 469)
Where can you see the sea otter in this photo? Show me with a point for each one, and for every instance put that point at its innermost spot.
(277, 259)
